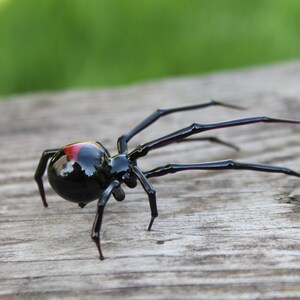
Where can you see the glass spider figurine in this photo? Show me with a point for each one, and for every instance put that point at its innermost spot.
(85, 171)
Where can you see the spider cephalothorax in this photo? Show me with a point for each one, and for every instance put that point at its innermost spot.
(85, 171)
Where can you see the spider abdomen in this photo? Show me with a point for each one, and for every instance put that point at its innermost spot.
(78, 172)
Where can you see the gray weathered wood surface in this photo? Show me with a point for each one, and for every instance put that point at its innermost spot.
(219, 235)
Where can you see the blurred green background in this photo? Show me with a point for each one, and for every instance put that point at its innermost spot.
(62, 44)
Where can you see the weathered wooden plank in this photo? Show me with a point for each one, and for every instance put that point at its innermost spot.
(219, 235)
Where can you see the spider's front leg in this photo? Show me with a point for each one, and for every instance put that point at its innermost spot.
(147, 186)
(219, 165)
(124, 139)
(211, 139)
(196, 128)
(99, 215)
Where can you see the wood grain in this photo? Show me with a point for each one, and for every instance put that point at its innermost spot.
(219, 235)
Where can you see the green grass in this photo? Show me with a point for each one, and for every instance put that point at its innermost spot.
(58, 44)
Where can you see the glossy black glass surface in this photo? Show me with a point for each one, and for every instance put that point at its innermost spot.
(79, 172)
(83, 172)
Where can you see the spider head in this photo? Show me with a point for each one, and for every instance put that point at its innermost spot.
(121, 170)
(79, 172)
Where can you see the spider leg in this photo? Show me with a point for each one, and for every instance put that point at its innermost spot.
(46, 155)
(218, 165)
(99, 215)
(150, 192)
(195, 128)
(124, 139)
(211, 139)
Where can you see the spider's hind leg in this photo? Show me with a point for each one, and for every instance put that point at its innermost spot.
(41, 168)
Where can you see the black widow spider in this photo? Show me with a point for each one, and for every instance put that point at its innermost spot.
(85, 171)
